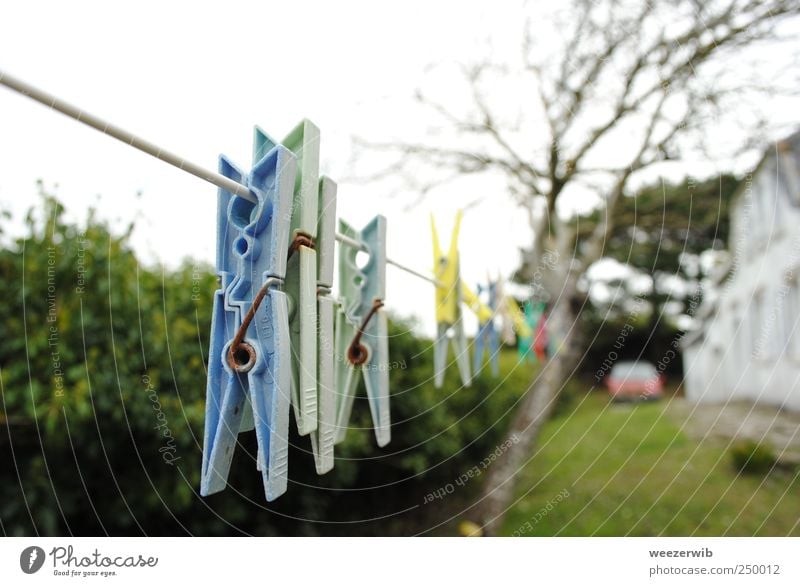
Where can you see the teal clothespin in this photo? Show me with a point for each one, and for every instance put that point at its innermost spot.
(526, 343)
(362, 345)
(301, 271)
(322, 440)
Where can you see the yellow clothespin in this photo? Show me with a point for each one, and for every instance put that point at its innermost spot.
(520, 324)
(449, 294)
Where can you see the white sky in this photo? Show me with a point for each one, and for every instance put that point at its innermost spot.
(194, 78)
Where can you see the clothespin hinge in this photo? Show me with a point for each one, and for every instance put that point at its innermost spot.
(300, 239)
(241, 355)
(357, 354)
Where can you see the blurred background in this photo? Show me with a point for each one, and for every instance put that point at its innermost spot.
(607, 157)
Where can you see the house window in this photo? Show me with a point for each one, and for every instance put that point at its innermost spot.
(765, 194)
(755, 330)
(790, 175)
(789, 318)
(775, 328)
(780, 331)
(750, 225)
(738, 351)
(742, 338)
(771, 334)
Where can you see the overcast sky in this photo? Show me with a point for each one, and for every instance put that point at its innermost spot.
(196, 78)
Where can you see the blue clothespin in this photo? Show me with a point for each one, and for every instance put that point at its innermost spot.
(487, 334)
(362, 344)
(249, 383)
(322, 439)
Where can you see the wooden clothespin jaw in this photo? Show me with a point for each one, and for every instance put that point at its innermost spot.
(449, 294)
(301, 271)
(249, 381)
(362, 344)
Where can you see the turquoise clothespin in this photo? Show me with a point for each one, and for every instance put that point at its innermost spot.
(526, 343)
(362, 345)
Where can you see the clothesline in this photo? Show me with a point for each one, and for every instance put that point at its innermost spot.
(310, 361)
(160, 153)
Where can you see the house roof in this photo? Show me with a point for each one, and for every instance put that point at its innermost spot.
(789, 144)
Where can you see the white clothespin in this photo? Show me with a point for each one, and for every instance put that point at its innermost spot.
(322, 439)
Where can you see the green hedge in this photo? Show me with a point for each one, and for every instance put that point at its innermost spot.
(101, 356)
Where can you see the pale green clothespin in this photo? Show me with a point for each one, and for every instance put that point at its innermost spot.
(301, 271)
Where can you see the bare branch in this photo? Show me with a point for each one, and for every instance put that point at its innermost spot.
(616, 68)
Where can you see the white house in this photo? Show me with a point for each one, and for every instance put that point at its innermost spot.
(747, 345)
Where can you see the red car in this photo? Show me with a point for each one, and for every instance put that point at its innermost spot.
(635, 381)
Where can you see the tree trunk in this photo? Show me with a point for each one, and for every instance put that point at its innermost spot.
(534, 410)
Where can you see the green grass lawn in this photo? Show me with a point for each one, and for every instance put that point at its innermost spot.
(609, 469)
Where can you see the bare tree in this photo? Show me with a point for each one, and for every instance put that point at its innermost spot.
(604, 90)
